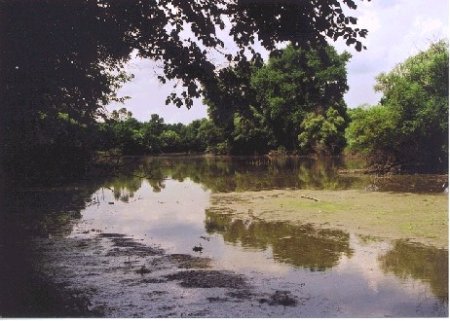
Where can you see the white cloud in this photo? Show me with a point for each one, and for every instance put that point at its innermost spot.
(397, 30)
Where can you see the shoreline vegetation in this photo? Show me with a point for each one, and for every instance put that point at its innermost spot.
(292, 104)
(108, 158)
(407, 132)
(113, 163)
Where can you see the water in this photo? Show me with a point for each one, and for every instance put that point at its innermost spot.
(289, 269)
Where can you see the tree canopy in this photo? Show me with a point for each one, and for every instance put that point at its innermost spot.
(297, 84)
(410, 126)
(294, 101)
(64, 60)
(92, 37)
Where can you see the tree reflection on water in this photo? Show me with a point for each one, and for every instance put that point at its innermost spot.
(235, 174)
(420, 262)
(298, 245)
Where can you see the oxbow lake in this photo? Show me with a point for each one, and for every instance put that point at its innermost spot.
(153, 241)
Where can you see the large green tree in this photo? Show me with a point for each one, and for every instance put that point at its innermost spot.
(297, 83)
(232, 104)
(410, 127)
(295, 100)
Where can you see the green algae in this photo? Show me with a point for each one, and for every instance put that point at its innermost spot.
(415, 217)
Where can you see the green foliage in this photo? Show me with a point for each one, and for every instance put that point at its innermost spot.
(192, 139)
(212, 136)
(170, 141)
(120, 131)
(151, 132)
(249, 135)
(372, 129)
(321, 133)
(261, 107)
(123, 133)
(410, 127)
(68, 57)
(296, 82)
(295, 101)
(231, 95)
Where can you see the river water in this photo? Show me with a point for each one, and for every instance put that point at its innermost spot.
(145, 243)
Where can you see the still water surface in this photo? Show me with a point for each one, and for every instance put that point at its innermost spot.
(165, 203)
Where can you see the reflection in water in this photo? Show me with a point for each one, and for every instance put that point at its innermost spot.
(260, 173)
(166, 199)
(43, 212)
(229, 174)
(302, 246)
(420, 262)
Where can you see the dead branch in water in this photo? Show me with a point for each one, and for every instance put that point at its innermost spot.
(309, 198)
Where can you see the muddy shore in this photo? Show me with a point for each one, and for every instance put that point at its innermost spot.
(113, 275)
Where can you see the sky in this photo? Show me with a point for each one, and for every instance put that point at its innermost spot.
(397, 30)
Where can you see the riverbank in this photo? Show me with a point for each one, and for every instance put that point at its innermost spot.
(415, 217)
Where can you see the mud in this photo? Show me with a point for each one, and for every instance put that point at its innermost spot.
(127, 246)
(185, 261)
(209, 279)
(81, 279)
(144, 281)
(284, 298)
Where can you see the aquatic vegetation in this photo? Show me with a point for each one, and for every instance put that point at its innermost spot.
(419, 217)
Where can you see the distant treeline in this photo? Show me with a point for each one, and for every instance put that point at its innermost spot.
(277, 106)
(126, 135)
(292, 103)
